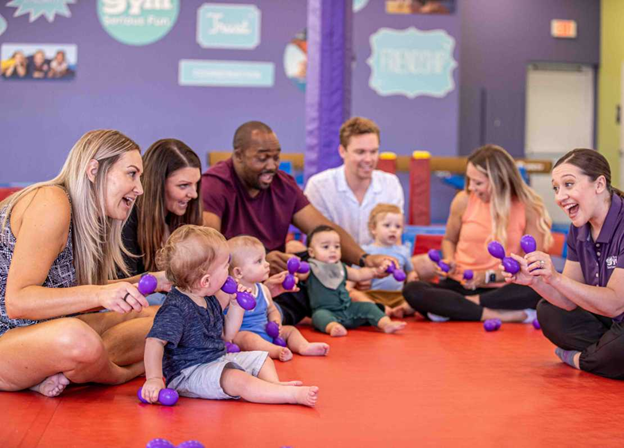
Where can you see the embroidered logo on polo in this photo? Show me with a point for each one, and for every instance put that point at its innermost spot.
(612, 262)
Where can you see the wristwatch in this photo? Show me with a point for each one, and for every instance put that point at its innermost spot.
(362, 261)
(490, 276)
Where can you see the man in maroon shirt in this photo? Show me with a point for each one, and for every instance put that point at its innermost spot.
(248, 195)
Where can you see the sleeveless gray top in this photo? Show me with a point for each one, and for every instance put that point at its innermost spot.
(62, 272)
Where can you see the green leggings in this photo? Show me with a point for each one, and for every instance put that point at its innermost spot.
(357, 314)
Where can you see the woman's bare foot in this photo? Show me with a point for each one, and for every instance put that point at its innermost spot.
(306, 396)
(315, 349)
(52, 386)
(335, 330)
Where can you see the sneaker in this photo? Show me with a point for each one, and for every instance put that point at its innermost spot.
(435, 318)
(531, 315)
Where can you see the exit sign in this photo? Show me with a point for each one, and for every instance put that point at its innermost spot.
(563, 29)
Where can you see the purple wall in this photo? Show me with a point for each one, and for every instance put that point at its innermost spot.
(498, 40)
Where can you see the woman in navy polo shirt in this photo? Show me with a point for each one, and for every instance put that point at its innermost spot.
(583, 308)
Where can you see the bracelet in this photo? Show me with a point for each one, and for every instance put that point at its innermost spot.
(490, 276)
(362, 261)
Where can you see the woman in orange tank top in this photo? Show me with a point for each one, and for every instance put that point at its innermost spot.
(496, 205)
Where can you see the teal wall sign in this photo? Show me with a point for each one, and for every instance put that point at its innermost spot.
(412, 62)
(228, 26)
(226, 73)
(38, 8)
(138, 23)
(358, 5)
(3, 25)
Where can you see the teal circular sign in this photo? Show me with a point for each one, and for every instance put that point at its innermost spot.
(138, 23)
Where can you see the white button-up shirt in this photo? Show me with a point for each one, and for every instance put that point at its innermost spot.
(329, 192)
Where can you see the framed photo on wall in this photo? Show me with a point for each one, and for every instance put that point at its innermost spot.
(420, 6)
(39, 61)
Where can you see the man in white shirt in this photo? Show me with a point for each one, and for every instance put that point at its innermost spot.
(347, 194)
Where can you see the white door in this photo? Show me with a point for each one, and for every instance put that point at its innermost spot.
(620, 181)
(559, 117)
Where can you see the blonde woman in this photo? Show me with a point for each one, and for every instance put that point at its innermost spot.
(60, 247)
(496, 205)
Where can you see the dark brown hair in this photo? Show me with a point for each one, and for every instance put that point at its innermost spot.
(161, 160)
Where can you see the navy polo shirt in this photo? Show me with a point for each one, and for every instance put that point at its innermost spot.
(598, 259)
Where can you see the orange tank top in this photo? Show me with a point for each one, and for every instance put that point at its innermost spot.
(476, 232)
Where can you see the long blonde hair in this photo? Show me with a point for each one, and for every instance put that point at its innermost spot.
(96, 237)
(507, 184)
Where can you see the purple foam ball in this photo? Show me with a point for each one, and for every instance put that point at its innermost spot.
(191, 444)
(246, 300)
(140, 395)
(528, 244)
(232, 348)
(289, 282)
(147, 284)
(496, 250)
(511, 265)
(159, 443)
(230, 286)
(434, 255)
(293, 265)
(536, 324)
(491, 325)
(399, 275)
(445, 267)
(468, 274)
(279, 341)
(304, 268)
(272, 329)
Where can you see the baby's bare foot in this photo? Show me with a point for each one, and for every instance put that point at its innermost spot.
(315, 349)
(285, 354)
(306, 396)
(52, 386)
(290, 383)
(336, 330)
(393, 327)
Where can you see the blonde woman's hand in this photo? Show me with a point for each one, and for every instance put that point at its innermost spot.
(121, 297)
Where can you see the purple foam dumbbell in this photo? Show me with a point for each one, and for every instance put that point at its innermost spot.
(166, 397)
(510, 265)
(492, 324)
(231, 347)
(536, 324)
(434, 255)
(528, 244)
(147, 284)
(272, 329)
(289, 282)
(279, 341)
(191, 444)
(399, 275)
(230, 286)
(468, 274)
(293, 265)
(445, 267)
(244, 299)
(159, 443)
(496, 250)
(304, 268)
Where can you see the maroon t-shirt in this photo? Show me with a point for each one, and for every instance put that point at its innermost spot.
(266, 216)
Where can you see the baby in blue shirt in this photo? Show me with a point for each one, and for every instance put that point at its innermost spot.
(186, 340)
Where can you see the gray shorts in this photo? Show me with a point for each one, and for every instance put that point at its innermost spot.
(204, 380)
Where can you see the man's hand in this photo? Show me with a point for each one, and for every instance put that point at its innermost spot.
(278, 261)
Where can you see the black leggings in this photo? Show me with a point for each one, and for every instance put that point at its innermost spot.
(598, 338)
(447, 299)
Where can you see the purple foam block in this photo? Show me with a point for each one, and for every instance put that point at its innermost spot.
(536, 324)
(468, 274)
(445, 267)
(191, 444)
(159, 443)
(289, 282)
(510, 265)
(304, 268)
(528, 244)
(141, 399)
(491, 325)
(496, 250)
(230, 286)
(279, 341)
(293, 265)
(399, 275)
(246, 300)
(434, 255)
(147, 284)
(272, 329)
(232, 348)
(168, 397)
